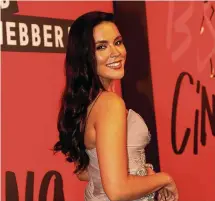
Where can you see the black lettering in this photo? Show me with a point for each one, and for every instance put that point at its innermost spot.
(174, 115)
(12, 193)
(58, 186)
(29, 192)
(210, 113)
(196, 126)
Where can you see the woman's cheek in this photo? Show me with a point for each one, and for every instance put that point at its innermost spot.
(102, 58)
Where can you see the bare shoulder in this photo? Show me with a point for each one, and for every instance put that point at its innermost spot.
(108, 97)
(110, 102)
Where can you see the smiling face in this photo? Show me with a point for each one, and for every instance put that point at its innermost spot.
(110, 52)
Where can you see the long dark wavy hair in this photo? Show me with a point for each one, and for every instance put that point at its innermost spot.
(81, 88)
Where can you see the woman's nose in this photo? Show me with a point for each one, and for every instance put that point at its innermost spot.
(114, 52)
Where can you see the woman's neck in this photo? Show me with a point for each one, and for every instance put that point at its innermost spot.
(109, 85)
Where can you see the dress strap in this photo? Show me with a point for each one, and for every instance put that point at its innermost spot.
(91, 108)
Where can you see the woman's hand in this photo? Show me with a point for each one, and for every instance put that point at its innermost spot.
(168, 193)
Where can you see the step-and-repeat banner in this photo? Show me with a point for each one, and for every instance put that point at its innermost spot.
(170, 81)
(172, 66)
(182, 55)
(33, 40)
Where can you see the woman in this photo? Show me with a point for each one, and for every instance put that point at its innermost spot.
(104, 140)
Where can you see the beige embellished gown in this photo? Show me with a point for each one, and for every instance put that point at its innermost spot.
(138, 137)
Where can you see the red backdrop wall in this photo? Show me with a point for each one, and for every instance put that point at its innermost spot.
(31, 87)
(32, 83)
(176, 46)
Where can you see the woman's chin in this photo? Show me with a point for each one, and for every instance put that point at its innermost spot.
(117, 76)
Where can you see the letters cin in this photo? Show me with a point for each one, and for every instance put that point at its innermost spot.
(206, 109)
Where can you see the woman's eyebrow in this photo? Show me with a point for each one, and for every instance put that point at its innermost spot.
(101, 41)
(105, 41)
(118, 37)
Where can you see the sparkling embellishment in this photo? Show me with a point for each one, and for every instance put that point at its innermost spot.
(143, 172)
(140, 160)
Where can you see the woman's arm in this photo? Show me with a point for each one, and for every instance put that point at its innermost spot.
(111, 141)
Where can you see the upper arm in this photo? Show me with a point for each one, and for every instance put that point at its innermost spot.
(111, 140)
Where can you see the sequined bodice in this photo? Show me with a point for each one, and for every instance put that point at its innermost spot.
(138, 137)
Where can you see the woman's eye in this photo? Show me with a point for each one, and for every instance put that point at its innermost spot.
(119, 42)
(100, 47)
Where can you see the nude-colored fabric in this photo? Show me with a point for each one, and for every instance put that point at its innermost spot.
(137, 138)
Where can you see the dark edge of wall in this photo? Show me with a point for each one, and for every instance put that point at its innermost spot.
(131, 20)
